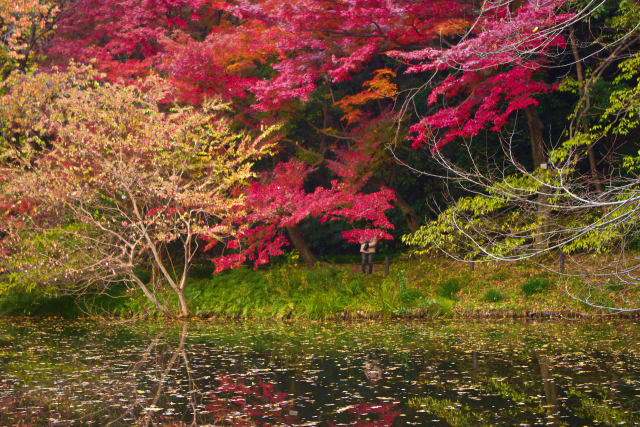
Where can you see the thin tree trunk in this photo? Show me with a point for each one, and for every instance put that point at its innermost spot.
(590, 153)
(182, 301)
(157, 259)
(300, 243)
(536, 128)
(150, 295)
(188, 255)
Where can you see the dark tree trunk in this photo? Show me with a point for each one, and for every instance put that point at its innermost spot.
(408, 212)
(590, 153)
(536, 128)
(300, 243)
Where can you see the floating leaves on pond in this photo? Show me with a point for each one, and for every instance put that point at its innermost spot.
(374, 374)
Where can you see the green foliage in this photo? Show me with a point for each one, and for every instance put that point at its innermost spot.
(493, 295)
(626, 18)
(492, 213)
(449, 288)
(29, 268)
(622, 116)
(408, 296)
(534, 285)
(436, 307)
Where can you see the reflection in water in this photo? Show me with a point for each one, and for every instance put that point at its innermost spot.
(374, 374)
(235, 402)
(144, 407)
(372, 368)
(549, 388)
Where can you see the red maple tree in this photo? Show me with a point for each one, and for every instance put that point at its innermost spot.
(279, 201)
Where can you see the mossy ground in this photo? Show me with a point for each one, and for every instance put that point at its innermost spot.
(427, 287)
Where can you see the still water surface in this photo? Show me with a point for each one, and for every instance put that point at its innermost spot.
(369, 374)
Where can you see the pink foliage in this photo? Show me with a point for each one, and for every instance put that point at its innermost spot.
(490, 102)
(123, 37)
(279, 201)
(351, 166)
(365, 235)
(501, 38)
(237, 403)
(352, 62)
(384, 414)
(497, 65)
(320, 39)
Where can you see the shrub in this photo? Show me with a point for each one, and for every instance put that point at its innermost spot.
(493, 295)
(408, 296)
(534, 285)
(437, 307)
(449, 288)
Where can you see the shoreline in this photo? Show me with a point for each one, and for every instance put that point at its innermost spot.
(351, 318)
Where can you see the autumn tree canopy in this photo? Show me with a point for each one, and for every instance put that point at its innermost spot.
(127, 176)
(380, 104)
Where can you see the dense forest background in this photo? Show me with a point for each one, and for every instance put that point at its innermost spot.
(159, 134)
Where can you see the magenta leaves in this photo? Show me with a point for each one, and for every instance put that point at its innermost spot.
(279, 201)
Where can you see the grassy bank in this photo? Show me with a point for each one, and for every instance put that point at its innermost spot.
(414, 288)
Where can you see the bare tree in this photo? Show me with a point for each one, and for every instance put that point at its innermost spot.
(514, 212)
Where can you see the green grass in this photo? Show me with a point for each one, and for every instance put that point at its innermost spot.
(534, 285)
(415, 287)
(493, 295)
(281, 292)
(409, 296)
(450, 287)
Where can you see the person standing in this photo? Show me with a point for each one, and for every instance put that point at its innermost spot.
(367, 249)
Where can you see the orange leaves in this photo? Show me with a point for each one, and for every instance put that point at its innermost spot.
(246, 47)
(21, 21)
(451, 26)
(379, 87)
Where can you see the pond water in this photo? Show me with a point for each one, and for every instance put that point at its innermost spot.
(56, 372)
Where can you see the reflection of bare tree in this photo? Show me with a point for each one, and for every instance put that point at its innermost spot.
(144, 408)
(549, 384)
